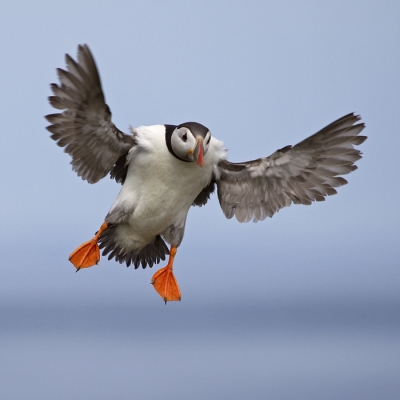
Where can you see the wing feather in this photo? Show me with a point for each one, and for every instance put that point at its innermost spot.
(84, 128)
(300, 174)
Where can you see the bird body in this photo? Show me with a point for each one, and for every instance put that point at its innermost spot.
(166, 169)
(159, 190)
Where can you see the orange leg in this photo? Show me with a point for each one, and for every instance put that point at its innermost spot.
(88, 253)
(164, 280)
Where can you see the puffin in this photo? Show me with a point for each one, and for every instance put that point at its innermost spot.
(166, 169)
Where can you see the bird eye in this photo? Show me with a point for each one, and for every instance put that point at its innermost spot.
(184, 137)
(208, 141)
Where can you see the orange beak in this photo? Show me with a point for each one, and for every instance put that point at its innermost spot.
(198, 152)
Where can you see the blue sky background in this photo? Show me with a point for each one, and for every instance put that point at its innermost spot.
(305, 305)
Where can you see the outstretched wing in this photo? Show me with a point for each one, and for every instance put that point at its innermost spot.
(84, 128)
(301, 174)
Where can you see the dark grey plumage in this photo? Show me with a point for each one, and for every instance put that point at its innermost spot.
(120, 169)
(205, 194)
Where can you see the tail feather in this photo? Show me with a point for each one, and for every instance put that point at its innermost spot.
(151, 254)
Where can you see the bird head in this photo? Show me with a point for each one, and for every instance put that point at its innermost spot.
(190, 141)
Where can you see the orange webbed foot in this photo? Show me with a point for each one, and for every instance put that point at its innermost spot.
(88, 253)
(164, 281)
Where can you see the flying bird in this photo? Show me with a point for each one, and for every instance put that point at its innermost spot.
(166, 169)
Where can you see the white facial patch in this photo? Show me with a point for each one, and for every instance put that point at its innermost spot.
(183, 143)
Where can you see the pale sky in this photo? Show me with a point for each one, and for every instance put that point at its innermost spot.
(260, 76)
